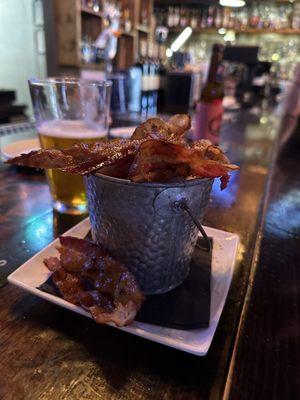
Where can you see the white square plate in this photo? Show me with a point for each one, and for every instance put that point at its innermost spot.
(197, 341)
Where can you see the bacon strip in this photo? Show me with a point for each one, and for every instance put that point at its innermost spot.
(159, 160)
(156, 128)
(156, 152)
(87, 276)
(179, 123)
(81, 158)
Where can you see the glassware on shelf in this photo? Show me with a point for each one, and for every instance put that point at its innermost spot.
(88, 52)
(256, 16)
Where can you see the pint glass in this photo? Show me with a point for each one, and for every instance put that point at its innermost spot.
(69, 111)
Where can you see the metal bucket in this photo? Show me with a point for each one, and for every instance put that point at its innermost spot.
(150, 227)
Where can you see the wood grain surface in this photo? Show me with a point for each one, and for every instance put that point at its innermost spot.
(50, 353)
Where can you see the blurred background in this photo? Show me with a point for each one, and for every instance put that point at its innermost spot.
(157, 53)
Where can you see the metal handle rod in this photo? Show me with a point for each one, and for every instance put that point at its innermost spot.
(185, 207)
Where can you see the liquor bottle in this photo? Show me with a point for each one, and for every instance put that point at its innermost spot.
(226, 18)
(145, 86)
(209, 110)
(183, 17)
(219, 18)
(296, 17)
(151, 83)
(255, 18)
(170, 18)
(193, 19)
(204, 19)
(126, 20)
(210, 17)
(154, 52)
(142, 64)
(176, 16)
(162, 72)
(139, 66)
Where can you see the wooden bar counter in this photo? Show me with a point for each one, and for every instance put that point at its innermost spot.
(51, 353)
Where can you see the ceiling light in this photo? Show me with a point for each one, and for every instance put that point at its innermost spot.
(182, 38)
(232, 3)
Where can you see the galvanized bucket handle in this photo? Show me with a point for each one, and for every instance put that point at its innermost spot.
(171, 200)
(207, 247)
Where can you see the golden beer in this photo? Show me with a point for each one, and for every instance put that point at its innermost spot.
(67, 190)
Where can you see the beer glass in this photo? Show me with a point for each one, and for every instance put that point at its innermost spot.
(69, 111)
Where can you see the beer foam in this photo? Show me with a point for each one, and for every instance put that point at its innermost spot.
(71, 129)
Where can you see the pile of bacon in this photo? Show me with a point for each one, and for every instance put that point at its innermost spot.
(156, 152)
(86, 275)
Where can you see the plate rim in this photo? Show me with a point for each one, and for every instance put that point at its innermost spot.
(134, 328)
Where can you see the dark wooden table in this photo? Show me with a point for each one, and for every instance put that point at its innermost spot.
(50, 353)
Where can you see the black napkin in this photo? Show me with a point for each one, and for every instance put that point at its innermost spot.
(185, 307)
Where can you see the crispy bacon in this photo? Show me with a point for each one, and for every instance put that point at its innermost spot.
(156, 152)
(156, 128)
(87, 276)
(81, 158)
(158, 159)
(210, 152)
(51, 158)
(119, 169)
(179, 123)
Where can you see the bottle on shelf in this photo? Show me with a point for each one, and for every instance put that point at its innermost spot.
(144, 17)
(203, 24)
(156, 84)
(162, 72)
(176, 19)
(193, 20)
(170, 18)
(183, 17)
(210, 17)
(257, 15)
(150, 91)
(209, 110)
(296, 17)
(219, 18)
(152, 80)
(255, 18)
(126, 20)
(143, 64)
